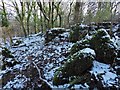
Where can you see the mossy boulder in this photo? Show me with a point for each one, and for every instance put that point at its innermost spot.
(79, 45)
(59, 77)
(76, 65)
(77, 33)
(52, 33)
(8, 59)
(103, 46)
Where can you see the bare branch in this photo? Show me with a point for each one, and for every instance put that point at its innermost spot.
(40, 75)
(42, 10)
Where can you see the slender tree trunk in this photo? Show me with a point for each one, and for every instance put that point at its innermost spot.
(60, 20)
(111, 19)
(23, 28)
(49, 15)
(28, 27)
(41, 22)
(52, 17)
(20, 15)
(35, 19)
(68, 19)
(4, 16)
(29, 10)
(35, 24)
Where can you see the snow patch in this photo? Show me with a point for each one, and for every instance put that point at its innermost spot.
(109, 78)
(88, 50)
(17, 83)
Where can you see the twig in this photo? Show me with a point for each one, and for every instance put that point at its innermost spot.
(40, 75)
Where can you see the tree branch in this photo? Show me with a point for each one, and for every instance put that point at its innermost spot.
(40, 74)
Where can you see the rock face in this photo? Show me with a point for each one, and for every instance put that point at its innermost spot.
(103, 46)
(76, 65)
(52, 33)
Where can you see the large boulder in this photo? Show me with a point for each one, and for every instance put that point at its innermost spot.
(76, 65)
(52, 33)
(77, 32)
(105, 49)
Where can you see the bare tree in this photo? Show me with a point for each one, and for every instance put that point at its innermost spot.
(58, 14)
(29, 6)
(20, 14)
(68, 19)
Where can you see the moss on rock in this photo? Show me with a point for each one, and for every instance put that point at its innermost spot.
(76, 65)
(52, 33)
(77, 33)
(79, 45)
(60, 78)
(103, 46)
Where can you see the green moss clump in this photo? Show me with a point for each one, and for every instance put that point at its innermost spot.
(76, 65)
(52, 33)
(103, 46)
(60, 78)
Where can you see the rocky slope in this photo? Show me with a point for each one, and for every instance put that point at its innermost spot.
(58, 61)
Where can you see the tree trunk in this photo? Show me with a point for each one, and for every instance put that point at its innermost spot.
(111, 19)
(60, 20)
(76, 13)
(52, 17)
(49, 15)
(68, 19)
(23, 28)
(35, 19)
(41, 20)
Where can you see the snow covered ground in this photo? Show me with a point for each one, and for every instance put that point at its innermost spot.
(49, 57)
(108, 75)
